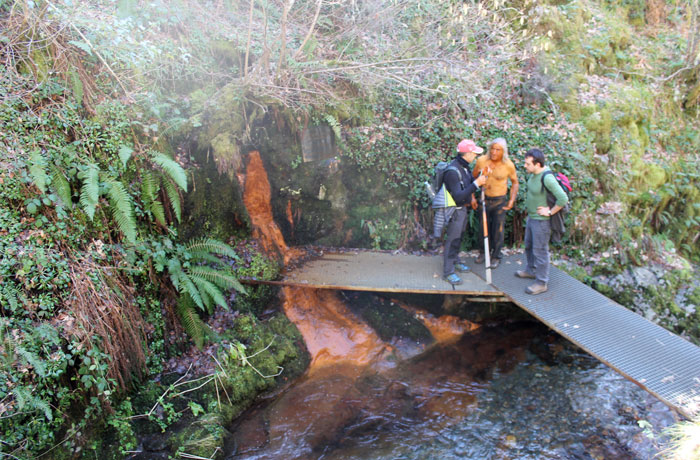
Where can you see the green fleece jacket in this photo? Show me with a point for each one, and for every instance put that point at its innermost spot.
(537, 195)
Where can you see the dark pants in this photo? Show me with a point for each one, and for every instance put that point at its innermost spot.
(453, 239)
(496, 220)
(537, 248)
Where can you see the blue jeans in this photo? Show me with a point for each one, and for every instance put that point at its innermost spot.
(537, 234)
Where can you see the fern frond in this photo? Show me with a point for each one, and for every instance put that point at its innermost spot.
(190, 320)
(122, 208)
(206, 299)
(149, 187)
(211, 245)
(10, 296)
(61, 187)
(204, 256)
(171, 168)
(173, 197)
(158, 212)
(37, 169)
(90, 191)
(223, 279)
(31, 358)
(124, 154)
(27, 402)
(189, 288)
(175, 270)
(208, 290)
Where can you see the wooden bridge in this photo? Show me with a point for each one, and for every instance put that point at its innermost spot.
(659, 361)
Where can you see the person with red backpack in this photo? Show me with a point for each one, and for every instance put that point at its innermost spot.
(538, 228)
(461, 185)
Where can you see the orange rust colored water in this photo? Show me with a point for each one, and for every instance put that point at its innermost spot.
(445, 328)
(332, 333)
(256, 197)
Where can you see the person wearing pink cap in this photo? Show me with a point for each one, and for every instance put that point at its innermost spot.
(461, 185)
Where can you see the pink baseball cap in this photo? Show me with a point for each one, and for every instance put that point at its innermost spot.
(468, 145)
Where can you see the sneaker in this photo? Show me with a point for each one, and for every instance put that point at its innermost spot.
(524, 274)
(480, 259)
(453, 279)
(460, 267)
(537, 288)
(495, 263)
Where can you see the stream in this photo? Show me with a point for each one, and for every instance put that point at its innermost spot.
(512, 391)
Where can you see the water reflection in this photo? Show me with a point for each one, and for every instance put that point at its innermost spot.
(499, 392)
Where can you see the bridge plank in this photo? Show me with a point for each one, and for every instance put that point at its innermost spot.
(383, 272)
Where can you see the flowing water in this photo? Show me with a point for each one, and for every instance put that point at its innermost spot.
(507, 391)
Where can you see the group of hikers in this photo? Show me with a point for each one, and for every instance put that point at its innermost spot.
(491, 175)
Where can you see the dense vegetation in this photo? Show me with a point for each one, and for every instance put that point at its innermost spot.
(109, 108)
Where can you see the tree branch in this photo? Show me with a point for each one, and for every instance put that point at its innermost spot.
(311, 29)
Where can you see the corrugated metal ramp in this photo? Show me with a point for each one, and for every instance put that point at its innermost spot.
(659, 361)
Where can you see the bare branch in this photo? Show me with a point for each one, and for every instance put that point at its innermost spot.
(311, 29)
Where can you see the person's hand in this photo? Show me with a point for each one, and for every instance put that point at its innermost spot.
(508, 206)
(474, 203)
(480, 181)
(544, 211)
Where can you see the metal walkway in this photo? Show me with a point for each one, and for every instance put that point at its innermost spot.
(362, 270)
(659, 361)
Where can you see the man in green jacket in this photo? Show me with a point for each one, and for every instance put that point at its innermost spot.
(537, 229)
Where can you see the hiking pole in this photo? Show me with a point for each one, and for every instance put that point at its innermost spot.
(487, 253)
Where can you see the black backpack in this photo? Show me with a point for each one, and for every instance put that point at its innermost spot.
(558, 221)
(438, 177)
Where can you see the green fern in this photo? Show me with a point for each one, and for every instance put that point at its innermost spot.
(191, 322)
(27, 402)
(11, 297)
(224, 279)
(190, 288)
(61, 187)
(175, 270)
(149, 187)
(90, 191)
(122, 208)
(158, 212)
(33, 359)
(37, 169)
(210, 293)
(210, 245)
(171, 168)
(173, 197)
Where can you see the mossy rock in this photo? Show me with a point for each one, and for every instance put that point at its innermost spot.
(269, 352)
(213, 207)
(203, 438)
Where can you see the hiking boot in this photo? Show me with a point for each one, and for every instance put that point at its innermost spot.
(453, 279)
(495, 263)
(537, 288)
(524, 274)
(480, 259)
(460, 267)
